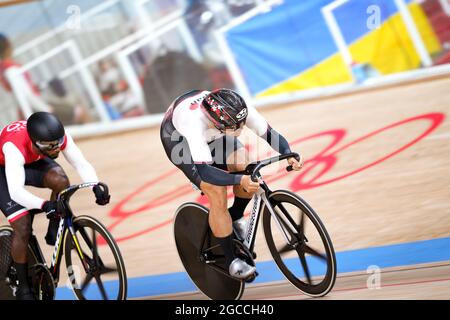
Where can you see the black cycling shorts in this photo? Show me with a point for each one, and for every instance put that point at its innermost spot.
(34, 176)
(227, 143)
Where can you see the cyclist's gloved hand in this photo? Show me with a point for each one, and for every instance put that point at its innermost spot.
(101, 195)
(248, 184)
(51, 209)
(296, 165)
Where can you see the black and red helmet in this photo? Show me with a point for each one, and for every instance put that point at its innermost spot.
(225, 108)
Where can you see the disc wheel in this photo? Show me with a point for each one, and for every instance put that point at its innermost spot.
(202, 256)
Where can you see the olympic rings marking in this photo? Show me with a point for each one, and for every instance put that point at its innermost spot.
(327, 157)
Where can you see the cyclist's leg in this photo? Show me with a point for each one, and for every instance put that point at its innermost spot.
(55, 179)
(178, 152)
(221, 226)
(226, 157)
(20, 220)
(238, 161)
(219, 218)
(229, 154)
(47, 173)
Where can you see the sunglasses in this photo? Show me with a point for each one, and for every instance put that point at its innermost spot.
(50, 145)
(238, 127)
(233, 128)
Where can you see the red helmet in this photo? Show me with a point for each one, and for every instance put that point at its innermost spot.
(225, 108)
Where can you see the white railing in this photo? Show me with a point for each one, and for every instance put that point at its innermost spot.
(445, 6)
(230, 60)
(117, 46)
(125, 64)
(417, 40)
(50, 34)
(120, 50)
(336, 33)
(86, 76)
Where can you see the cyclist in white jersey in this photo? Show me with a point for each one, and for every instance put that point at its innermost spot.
(199, 134)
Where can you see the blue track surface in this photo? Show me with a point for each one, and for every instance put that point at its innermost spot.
(348, 261)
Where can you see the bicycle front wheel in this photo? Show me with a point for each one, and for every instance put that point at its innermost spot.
(300, 244)
(98, 273)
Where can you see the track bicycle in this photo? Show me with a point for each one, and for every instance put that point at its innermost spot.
(296, 237)
(90, 252)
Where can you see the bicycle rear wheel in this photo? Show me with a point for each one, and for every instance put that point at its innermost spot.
(204, 261)
(307, 259)
(8, 279)
(101, 263)
(5, 262)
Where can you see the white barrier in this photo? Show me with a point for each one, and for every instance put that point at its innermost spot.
(50, 34)
(124, 42)
(99, 128)
(414, 33)
(348, 88)
(125, 64)
(154, 121)
(338, 37)
(86, 76)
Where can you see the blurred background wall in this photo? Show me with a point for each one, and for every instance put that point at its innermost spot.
(116, 64)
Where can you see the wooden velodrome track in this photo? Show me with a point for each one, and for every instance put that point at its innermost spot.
(377, 171)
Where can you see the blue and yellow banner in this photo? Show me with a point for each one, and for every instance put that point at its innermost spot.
(291, 48)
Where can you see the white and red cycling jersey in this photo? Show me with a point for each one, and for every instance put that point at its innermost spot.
(16, 151)
(190, 121)
(16, 134)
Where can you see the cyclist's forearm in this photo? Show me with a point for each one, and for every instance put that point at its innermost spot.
(15, 177)
(24, 198)
(216, 176)
(75, 157)
(276, 141)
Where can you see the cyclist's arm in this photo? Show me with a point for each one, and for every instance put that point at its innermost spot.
(201, 154)
(276, 140)
(74, 156)
(15, 176)
(257, 123)
(217, 176)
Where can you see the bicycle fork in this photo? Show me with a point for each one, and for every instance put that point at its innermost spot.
(77, 245)
(281, 224)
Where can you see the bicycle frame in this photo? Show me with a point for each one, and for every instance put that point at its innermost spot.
(65, 224)
(260, 197)
(284, 207)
